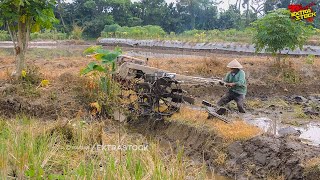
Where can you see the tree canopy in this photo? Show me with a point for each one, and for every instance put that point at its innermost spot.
(276, 31)
(23, 16)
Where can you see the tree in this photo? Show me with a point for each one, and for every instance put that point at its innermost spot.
(230, 19)
(193, 12)
(258, 6)
(277, 31)
(21, 17)
(152, 11)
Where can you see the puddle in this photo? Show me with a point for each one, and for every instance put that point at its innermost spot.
(264, 123)
(310, 133)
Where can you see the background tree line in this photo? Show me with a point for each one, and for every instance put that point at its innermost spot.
(92, 16)
(176, 17)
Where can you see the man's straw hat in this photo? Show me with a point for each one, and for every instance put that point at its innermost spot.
(234, 64)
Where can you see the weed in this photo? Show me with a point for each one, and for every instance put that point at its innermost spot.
(310, 59)
(291, 76)
(298, 112)
(254, 103)
(76, 32)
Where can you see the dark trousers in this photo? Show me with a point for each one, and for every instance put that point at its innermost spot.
(229, 96)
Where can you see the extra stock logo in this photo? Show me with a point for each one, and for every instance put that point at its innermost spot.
(298, 12)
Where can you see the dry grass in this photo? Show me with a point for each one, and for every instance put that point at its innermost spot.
(33, 149)
(312, 168)
(312, 162)
(259, 69)
(52, 63)
(200, 66)
(191, 115)
(237, 130)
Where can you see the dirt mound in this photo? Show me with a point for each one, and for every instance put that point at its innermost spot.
(11, 106)
(259, 157)
(64, 97)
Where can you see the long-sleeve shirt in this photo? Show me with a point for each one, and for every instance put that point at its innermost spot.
(239, 79)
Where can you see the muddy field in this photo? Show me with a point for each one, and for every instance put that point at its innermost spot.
(278, 137)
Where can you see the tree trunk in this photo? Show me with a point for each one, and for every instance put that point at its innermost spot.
(22, 47)
(60, 13)
(192, 13)
(247, 15)
(279, 59)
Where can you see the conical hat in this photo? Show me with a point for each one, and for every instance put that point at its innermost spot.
(234, 64)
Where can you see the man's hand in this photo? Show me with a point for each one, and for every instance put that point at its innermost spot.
(222, 83)
(230, 84)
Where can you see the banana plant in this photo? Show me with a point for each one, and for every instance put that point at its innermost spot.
(101, 70)
(105, 60)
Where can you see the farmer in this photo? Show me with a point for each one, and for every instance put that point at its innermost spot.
(235, 80)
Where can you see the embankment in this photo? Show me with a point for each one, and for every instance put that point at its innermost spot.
(212, 47)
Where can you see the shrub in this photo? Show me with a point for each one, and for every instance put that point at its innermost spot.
(111, 28)
(148, 31)
(77, 32)
(310, 59)
(4, 36)
(48, 35)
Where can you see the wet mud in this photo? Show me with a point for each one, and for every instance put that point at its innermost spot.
(261, 157)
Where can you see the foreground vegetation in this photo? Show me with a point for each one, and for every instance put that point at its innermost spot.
(67, 149)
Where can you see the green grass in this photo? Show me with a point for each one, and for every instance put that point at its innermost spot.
(34, 149)
(45, 35)
(199, 36)
(138, 32)
(48, 35)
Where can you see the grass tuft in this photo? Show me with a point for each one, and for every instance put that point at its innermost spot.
(237, 130)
